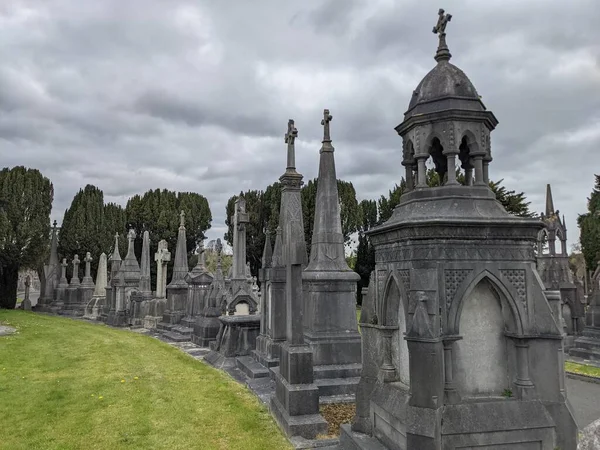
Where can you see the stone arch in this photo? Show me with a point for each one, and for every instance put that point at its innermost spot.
(481, 357)
(391, 303)
(242, 304)
(434, 146)
(561, 241)
(506, 294)
(543, 248)
(471, 140)
(395, 314)
(409, 151)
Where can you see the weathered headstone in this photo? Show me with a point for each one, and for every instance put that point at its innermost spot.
(51, 276)
(93, 310)
(178, 287)
(207, 325)
(462, 349)
(330, 326)
(162, 258)
(296, 402)
(145, 284)
(26, 304)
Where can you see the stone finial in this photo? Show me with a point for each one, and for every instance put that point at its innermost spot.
(290, 139)
(325, 122)
(116, 256)
(54, 224)
(443, 53)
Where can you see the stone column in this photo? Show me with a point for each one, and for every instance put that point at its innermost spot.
(26, 305)
(408, 170)
(486, 166)
(421, 171)
(451, 159)
(388, 371)
(63, 283)
(145, 284)
(523, 382)
(478, 163)
(450, 392)
(162, 257)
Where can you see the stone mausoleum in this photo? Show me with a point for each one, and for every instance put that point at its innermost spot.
(461, 349)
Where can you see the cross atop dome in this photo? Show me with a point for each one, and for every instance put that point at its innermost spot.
(443, 53)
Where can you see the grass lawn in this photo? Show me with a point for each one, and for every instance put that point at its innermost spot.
(67, 384)
(582, 369)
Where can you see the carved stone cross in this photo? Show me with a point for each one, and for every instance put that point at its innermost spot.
(290, 140)
(54, 224)
(443, 20)
(76, 262)
(325, 122)
(87, 260)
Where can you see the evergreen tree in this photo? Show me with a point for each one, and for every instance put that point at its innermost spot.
(263, 211)
(158, 212)
(89, 226)
(25, 203)
(589, 227)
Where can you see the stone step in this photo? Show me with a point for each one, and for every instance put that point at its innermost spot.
(330, 399)
(337, 386)
(337, 371)
(274, 362)
(350, 440)
(585, 353)
(251, 367)
(176, 337)
(182, 330)
(164, 326)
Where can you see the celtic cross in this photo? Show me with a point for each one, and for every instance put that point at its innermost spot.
(290, 140)
(443, 20)
(325, 122)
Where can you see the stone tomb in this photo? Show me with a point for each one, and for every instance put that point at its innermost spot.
(460, 346)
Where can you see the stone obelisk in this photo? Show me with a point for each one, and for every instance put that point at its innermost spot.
(330, 325)
(296, 403)
(178, 287)
(145, 286)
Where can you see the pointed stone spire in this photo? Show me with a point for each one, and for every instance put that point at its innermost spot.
(327, 247)
(145, 286)
(443, 53)
(267, 251)
(549, 202)
(116, 256)
(101, 277)
(180, 267)
(54, 246)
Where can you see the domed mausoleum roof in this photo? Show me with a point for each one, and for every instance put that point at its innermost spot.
(445, 86)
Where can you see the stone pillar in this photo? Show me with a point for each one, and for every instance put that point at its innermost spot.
(451, 159)
(48, 291)
(387, 373)
(523, 382)
(408, 170)
(177, 289)
(478, 163)
(162, 257)
(145, 284)
(421, 171)
(295, 404)
(450, 393)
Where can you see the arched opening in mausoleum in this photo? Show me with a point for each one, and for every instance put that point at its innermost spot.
(466, 164)
(242, 309)
(439, 161)
(481, 356)
(395, 316)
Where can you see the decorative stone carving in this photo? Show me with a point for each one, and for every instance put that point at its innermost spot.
(517, 279)
(453, 278)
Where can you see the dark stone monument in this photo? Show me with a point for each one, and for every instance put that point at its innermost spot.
(51, 277)
(207, 325)
(177, 289)
(295, 404)
(554, 270)
(330, 326)
(461, 349)
(588, 344)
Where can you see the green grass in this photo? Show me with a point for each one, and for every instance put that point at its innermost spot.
(66, 384)
(582, 369)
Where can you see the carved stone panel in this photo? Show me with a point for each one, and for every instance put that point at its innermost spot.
(516, 277)
(453, 278)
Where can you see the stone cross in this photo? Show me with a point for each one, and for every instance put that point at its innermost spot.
(443, 20)
(75, 277)
(87, 260)
(54, 224)
(162, 257)
(290, 139)
(63, 271)
(325, 122)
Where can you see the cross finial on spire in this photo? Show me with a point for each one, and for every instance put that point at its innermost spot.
(325, 122)
(54, 224)
(182, 219)
(130, 235)
(290, 140)
(442, 54)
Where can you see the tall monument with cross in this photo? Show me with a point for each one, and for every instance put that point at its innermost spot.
(330, 326)
(51, 276)
(240, 219)
(461, 348)
(296, 402)
(177, 289)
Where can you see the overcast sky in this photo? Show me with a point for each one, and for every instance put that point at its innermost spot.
(131, 95)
